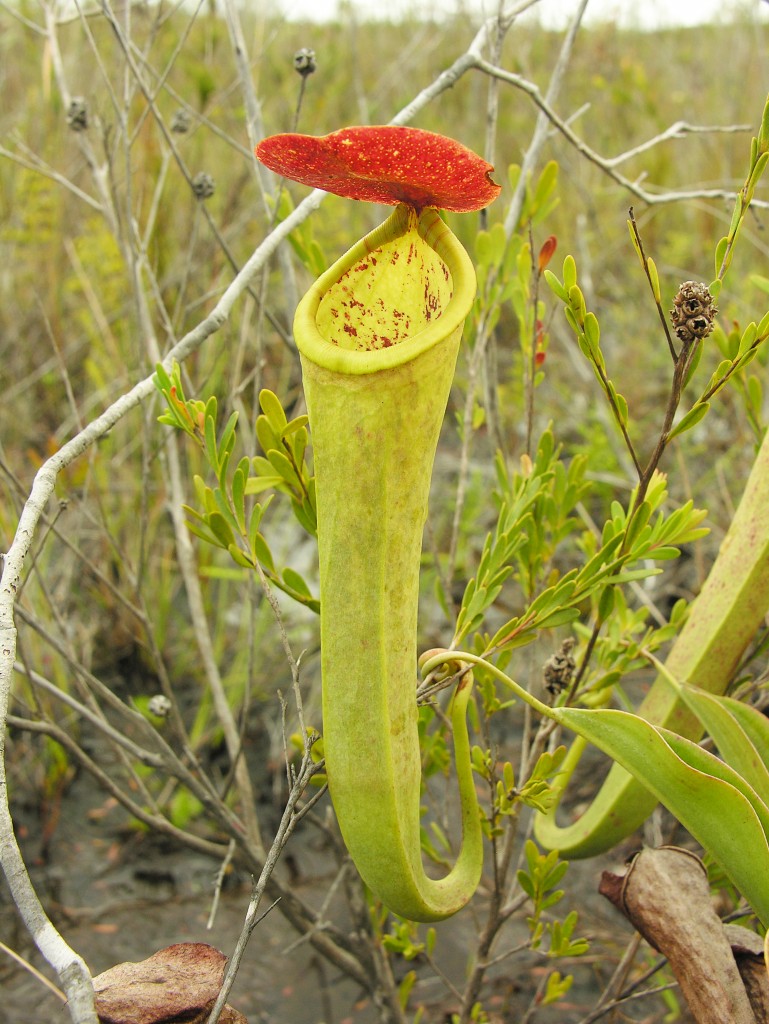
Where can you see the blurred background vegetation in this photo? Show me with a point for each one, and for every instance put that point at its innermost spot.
(105, 592)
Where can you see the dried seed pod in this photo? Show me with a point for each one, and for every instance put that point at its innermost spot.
(181, 122)
(693, 311)
(304, 62)
(77, 114)
(559, 669)
(203, 185)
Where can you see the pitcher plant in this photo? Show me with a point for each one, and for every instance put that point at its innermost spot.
(378, 335)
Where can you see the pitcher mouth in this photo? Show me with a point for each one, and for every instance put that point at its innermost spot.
(418, 307)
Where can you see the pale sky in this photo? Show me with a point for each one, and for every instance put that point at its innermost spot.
(552, 13)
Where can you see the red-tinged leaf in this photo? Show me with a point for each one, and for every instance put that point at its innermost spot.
(546, 252)
(386, 164)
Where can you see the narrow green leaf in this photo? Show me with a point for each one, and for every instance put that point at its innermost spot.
(592, 330)
(239, 557)
(577, 301)
(754, 723)
(559, 618)
(273, 410)
(634, 240)
(569, 273)
(296, 424)
(748, 337)
(227, 440)
(763, 132)
(204, 534)
(239, 495)
(654, 277)
(261, 551)
(715, 811)
(757, 172)
(296, 582)
(258, 484)
(282, 464)
(265, 435)
(556, 287)
(691, 419)
(694, 362)
(723, 720)
(748, 358)
(637, 523)
(719, 259)
(631, 575)
(210, 439)
(222, 523)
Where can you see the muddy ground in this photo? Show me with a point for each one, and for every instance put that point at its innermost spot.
(120, 894)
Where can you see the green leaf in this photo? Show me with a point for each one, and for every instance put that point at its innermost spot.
(282, 464)
(556, 287)
(577, 301)
(239, 478)
(694, 362)
(559, 618)
(261, 551)
(273, 410)
(763, 132)
(265, 435)
(709, 803)
(719, 259)
(691, 419)
(634, 240)
(734, 743)
(204, 534)
(757, 172)
(227, 440)
(257, 484)
(592, 330)
(296, 582)
(210, 435)
(296, 424)
(569, 274)
(221, 529)
(746, 341)
(655, 279)
(239, 557)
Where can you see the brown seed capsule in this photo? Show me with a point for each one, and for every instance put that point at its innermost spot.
(304, 61)
(203, 185)
(181, 122)
(693, 311)
(77, 114)
(559, 669)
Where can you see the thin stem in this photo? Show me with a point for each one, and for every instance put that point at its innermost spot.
(645, 263)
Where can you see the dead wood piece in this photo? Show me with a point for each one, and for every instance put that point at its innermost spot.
(177, 984)
(748, 949)
(665, 894)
